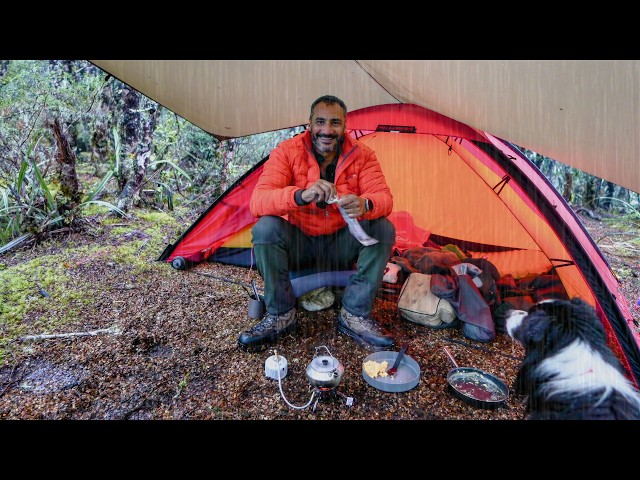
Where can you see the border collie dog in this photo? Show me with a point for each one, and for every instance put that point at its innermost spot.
(568, 371)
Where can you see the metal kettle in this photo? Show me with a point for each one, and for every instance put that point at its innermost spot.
(324, 371)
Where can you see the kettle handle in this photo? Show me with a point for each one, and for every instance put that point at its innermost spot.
(323, 346)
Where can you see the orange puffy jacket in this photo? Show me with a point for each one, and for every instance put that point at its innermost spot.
(292, 166)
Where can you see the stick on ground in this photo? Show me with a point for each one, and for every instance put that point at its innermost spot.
(45, 336)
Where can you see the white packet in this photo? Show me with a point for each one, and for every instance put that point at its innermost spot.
(354, 227)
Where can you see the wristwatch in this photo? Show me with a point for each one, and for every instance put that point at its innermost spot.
(368, 205)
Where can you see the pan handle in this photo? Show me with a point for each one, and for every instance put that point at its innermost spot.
(446, 350)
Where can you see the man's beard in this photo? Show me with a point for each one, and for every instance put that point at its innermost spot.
(323, 149)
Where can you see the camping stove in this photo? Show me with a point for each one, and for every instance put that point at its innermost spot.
(324, 374)
(329, 392)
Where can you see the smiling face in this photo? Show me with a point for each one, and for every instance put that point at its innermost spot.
(328, 126)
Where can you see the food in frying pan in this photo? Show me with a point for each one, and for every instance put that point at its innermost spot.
(477, 387)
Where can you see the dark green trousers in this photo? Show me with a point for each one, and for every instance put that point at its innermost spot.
(281, 247)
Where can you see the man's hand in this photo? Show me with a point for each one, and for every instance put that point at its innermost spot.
(352, 204)
(321, 191)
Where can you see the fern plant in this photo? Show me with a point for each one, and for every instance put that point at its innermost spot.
(29, 207)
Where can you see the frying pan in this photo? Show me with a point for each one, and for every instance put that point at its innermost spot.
(476, 387)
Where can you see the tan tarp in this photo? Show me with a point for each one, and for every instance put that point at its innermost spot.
(584, 113)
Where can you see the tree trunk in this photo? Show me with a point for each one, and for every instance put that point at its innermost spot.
(590, 189)
(130, 124)
(567, 191)
(610, 190)
(130, 193)
(538, 160)
(102, 129)
(228, 152)
(66, 168)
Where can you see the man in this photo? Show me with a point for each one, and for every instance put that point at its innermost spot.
(301, 175)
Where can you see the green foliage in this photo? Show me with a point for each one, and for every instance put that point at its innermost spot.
(191, 166)
(188, 166)
(626, 207)
(34, 93)
(32, 206)
(629, 216)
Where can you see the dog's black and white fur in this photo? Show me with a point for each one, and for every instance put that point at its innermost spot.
(568, 371)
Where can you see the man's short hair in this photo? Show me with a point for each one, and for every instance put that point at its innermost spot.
(329, 100)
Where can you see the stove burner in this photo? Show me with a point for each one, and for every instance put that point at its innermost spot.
(329, 391)
(324, 390)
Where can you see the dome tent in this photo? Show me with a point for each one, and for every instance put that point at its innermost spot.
(464, 187)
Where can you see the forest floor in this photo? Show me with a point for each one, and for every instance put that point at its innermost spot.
(133, 338)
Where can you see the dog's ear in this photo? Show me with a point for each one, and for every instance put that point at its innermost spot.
(560, 312)
(586, 321)
(574, 318)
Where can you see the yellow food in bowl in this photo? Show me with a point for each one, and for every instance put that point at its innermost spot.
(375, 369)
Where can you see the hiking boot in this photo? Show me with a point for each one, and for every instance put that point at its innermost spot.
(364, 330)
(268, 330)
